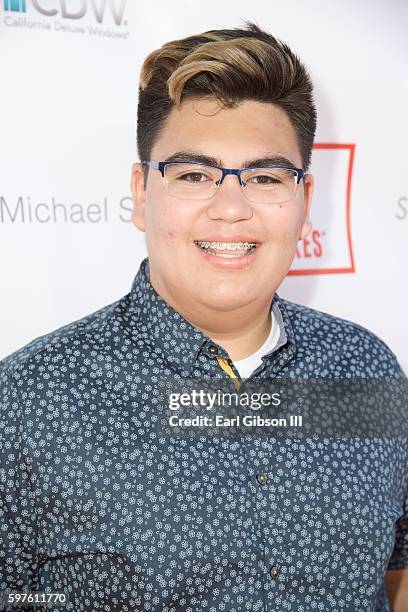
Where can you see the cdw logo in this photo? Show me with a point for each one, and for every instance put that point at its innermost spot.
(72, 9)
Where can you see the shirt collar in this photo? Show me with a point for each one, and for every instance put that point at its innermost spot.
(164, 328)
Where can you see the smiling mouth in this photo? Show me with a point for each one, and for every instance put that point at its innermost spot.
(228, 250)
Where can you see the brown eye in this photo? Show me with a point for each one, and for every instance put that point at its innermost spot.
(193, 177)
(264, 179)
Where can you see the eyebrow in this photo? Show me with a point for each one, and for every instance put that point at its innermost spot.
(208, 160)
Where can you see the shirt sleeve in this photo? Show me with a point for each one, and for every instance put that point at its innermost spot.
(18, 536)
(399, 556)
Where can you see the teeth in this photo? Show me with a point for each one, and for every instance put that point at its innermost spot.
(226, 246)
(239, 248)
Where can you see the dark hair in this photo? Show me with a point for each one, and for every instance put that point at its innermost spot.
(234, 66)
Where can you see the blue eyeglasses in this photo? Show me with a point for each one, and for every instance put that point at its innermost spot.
(196, 181)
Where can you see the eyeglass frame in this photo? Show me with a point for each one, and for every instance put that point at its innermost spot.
(161, 166)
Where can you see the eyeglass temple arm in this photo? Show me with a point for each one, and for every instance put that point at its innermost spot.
(151, 164)
(155, 165)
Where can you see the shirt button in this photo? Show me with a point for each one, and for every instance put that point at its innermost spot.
(274, 571)
(262, 478)
(212, 349)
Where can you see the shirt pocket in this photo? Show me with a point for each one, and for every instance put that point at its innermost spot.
(339, 551)
(356, 543)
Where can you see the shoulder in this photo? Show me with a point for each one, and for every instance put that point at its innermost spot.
(89, 331)
(306, 320)
(340, 341)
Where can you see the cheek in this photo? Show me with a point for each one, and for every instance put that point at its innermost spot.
(159, 228)
(168, 222)
(282, 227)
(158, 219)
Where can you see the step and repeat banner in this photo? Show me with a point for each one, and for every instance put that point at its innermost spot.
(69, 79)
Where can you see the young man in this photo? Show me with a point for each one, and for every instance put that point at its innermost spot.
(95, 502)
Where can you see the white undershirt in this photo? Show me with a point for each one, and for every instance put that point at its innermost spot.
(246, 366)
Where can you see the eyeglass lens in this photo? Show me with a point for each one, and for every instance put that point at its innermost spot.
(193, 181)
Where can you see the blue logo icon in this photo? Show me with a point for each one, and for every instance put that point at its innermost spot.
(18, 6)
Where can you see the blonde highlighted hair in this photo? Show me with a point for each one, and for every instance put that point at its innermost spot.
(233, 66)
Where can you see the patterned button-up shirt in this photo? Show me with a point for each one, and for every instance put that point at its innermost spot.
(96, 503)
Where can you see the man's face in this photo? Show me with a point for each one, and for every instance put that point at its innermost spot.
(180, 271)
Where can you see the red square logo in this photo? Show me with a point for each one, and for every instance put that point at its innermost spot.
(328, 249)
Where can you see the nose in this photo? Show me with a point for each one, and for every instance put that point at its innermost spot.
(229, 203)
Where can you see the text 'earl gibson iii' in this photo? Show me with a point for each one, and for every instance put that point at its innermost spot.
(219, 420)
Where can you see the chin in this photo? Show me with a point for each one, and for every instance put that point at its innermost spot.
(226, 303)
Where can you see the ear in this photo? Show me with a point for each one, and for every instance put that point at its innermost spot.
(139, 196)
(308, 186)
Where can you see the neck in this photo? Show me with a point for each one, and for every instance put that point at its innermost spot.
(246, 338)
